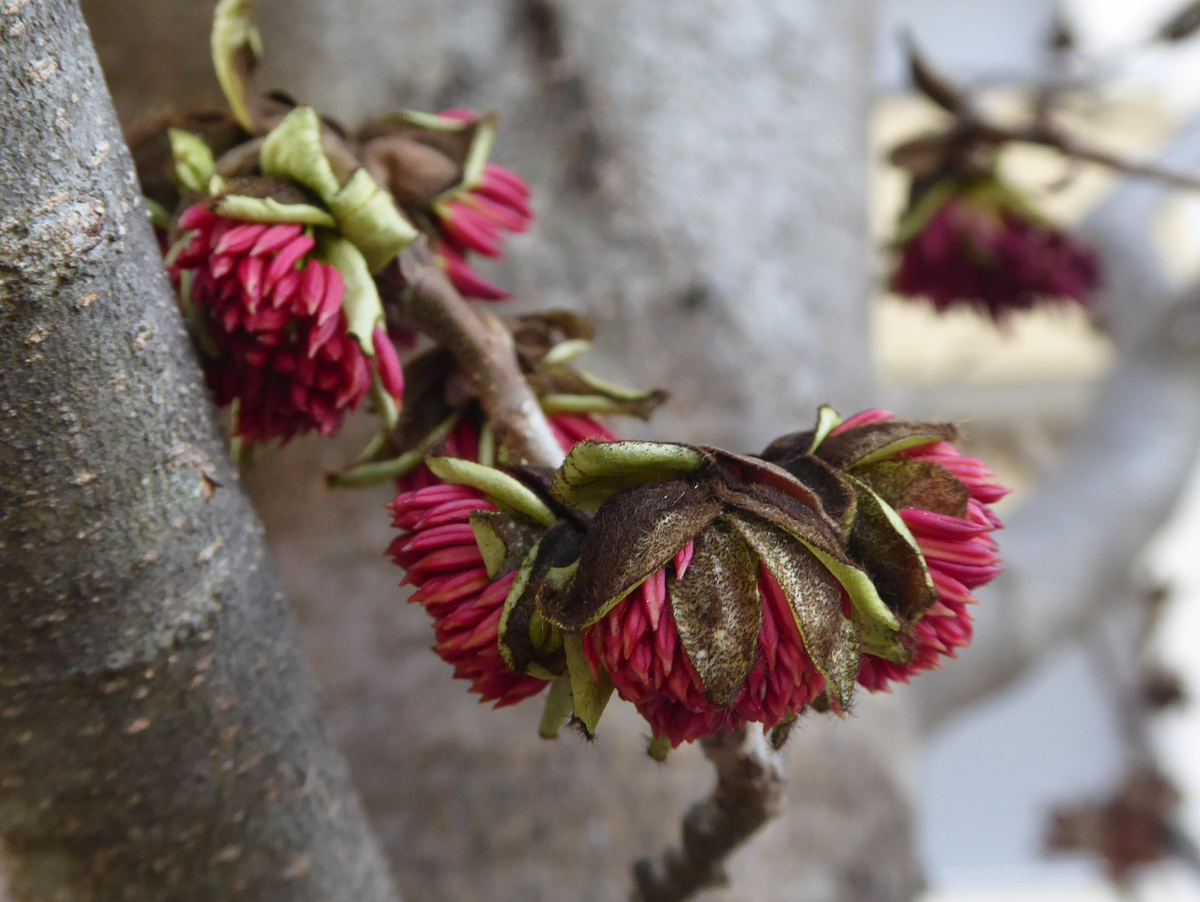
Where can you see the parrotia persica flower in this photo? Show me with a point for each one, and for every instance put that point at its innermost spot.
(921, 529)
(437, 168)
(278, 337)
(707, 588)
(274, 267)
(439, 553)
(979, 244)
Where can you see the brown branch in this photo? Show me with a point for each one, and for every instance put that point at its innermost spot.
(483, 348)
(1072, 149)
(747, 795)
(971, 126)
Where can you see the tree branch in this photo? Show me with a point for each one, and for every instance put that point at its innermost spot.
(747, 795)
(972, 126)
(483, 349)
(1047, 136)
(159, 731)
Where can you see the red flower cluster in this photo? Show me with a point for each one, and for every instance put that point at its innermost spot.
(977, 252)
(637, 644)
(474, 219)
(960, 555)
(275, 317)
(442, 560)
(652, 644)
(440, 557)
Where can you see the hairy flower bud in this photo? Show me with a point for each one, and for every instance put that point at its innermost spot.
(921, 528)
(711, 589)
(980, 245)
(436, 168)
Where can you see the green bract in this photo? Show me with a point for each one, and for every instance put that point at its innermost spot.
(293, 151)
(367, 216)
(267, 209)
(236, 49)
(195, 168)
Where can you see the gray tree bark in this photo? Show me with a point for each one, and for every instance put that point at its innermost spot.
(699, 174)
(159, 734)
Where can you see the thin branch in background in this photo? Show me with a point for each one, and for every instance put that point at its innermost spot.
(747, 795)
(1076, 150)
(971, 127)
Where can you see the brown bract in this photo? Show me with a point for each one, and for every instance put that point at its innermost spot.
(865, 465)
(736, 512)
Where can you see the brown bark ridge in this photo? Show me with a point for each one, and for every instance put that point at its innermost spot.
(159, 734)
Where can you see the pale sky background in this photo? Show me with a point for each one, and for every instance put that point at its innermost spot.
(988, 779)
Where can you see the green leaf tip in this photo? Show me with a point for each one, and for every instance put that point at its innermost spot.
(864, 597)
(236, 49)
(912, 441)
(195, 166)
(293, 151)
(360, 304)
(367, 215)
(595, 471)
(515, 593)
(159, 216)
(495, 542)
(480, 150)
(431, 121)
(566, 351)
(589, 695)
(659, 748)
(497, 485)
(558, 708)
(828, 420)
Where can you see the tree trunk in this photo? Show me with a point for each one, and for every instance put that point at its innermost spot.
(159, 735)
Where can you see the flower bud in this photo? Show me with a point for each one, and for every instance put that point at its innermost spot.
(921, 528)
(979, 244)
(442, 559)
(436, 168)
(275, 325)
(711, 589)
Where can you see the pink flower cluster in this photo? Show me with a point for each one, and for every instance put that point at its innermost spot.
(637, 645)
(275, 317)
(474, 221)
(440, 557)
(977, 253)
(960, 553)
